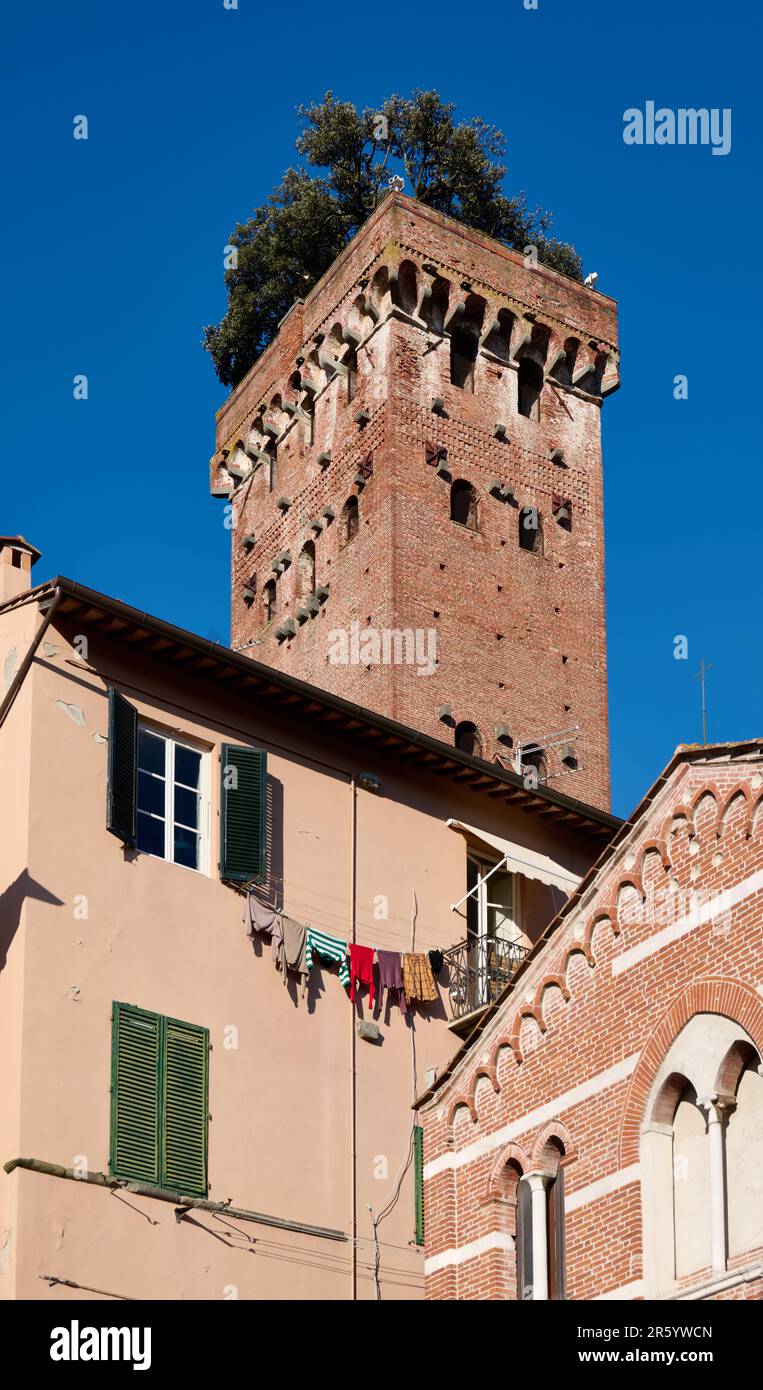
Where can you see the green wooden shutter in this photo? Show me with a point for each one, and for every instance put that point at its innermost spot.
(243, 813)
(418, 1178)
(135, 1088)
(123, 768)
(184, 1078)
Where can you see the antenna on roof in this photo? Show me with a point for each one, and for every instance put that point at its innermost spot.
(700, 676)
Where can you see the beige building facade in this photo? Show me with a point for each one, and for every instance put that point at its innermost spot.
(279, 1157)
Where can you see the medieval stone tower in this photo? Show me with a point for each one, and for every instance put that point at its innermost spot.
(415, 473)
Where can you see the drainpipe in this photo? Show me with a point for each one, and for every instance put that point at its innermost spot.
(353, 1044)
(20, 676)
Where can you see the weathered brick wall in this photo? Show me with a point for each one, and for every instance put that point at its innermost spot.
(576, 1046)
(520, 637)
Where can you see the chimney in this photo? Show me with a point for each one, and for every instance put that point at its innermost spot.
(16, 559)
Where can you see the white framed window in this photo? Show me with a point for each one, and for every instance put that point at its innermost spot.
(173, 800)
(493, 929)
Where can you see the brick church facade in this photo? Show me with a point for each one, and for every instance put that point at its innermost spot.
(418, 454)
(600, 1134)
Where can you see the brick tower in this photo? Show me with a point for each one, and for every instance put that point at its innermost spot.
(415, 472)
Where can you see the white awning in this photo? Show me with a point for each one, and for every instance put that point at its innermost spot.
(520, 860)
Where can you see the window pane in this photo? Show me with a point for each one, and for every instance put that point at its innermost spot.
(151, 793)
(501, 917)
(187, 807)
(150, 835)
(186, 848)
(187, 766)
(150, 752)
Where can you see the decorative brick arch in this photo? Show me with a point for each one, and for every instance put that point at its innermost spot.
(484, 1069)
(553, 1130)
(512, 1153)
(658, 847)
(456, 1104)
(741, 789)
(738, 1057)
(715, 995)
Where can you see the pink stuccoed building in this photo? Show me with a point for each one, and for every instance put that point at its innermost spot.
(178, 1122)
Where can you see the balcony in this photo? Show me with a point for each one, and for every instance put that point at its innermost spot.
(479, 969)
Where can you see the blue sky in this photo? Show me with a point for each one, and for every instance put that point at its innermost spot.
(112, 256)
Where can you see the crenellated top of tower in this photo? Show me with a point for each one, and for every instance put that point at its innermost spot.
(409, 261)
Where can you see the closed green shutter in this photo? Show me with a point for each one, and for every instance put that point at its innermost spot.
(159, 1105)
(418, 1178)
(243, 814)
(184, 1157)
(135, 1062)
(123, 769)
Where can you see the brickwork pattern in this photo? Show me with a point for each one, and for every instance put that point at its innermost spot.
(585, 1025)
(520, 637)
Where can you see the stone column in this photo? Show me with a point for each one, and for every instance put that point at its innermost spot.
(716, 1108)
(537, 1184)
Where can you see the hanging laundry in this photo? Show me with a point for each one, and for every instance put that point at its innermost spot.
(391, 976)
(294, 950)
(362, 970)
(328, 948)
(259, 917)
(418, 980)
(436, 960)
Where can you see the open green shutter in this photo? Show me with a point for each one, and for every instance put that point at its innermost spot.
(184, 1146)
(123, 768)
(135, 1062)
(418, 1178)
(243, 813)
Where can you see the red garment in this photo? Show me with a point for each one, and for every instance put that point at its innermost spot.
(362, 970)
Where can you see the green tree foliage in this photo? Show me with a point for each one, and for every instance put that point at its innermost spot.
(288, 243)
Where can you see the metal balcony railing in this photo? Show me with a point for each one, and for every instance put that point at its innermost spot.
(478, 970)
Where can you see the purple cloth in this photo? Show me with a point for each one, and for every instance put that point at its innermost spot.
(259, 917)
(391, 975)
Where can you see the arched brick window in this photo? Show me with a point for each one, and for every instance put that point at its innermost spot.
(467, 738)
(530, 530)
(702, 1157)
(529, 388)
(463, 504)
(350, 520)
(269, 601)
(306, 571)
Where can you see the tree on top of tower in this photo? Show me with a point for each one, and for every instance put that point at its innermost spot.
(291, 240)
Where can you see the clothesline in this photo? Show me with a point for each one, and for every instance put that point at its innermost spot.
(296, 945)
(292, 883)
(318, 913)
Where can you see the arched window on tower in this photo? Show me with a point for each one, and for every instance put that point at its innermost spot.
(463, 504)
(350, 520)
(467, 738)
(351, 363)
(530, 530)
(306, 571)
(269, 601)
(463, 355)
(529, 387)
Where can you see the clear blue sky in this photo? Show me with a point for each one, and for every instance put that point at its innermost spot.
(112, 259)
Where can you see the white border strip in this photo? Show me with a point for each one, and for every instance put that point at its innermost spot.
(494, 1240)
(626, 1291)
(582, 1196)
(698, 917)
(550, 1111)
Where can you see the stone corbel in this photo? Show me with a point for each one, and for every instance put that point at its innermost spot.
(453, 318)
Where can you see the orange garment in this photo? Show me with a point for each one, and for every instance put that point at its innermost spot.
(418, 980)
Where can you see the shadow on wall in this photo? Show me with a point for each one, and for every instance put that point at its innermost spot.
(11, 903)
